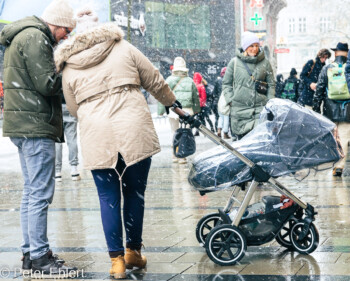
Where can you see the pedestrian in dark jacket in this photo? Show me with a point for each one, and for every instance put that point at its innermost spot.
(33, 121)
(335, 101)
(215, 95)
(279, 85)
(309, 76)
(291, 86)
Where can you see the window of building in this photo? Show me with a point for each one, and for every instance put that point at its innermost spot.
(302, 25)
(291, 25)
(325, 24)
(177, 26)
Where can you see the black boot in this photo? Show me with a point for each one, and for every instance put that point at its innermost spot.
(55, 257)
(48, 267)
(26, 263)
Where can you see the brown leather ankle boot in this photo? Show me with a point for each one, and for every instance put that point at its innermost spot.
(226, 136)
(118, 268)
(133, 258)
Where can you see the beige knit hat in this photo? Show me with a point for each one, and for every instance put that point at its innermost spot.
(59, 13)
(180, 64)
(86, 19)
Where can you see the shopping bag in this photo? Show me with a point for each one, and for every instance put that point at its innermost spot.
(183, 143)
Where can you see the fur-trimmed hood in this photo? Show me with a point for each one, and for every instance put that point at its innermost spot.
(88, 48)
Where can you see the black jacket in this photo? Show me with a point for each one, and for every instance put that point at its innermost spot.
(322, 85)
(307, 94)
(215, 94)
(347, 71)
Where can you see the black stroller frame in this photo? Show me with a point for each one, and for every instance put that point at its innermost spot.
(225, 241)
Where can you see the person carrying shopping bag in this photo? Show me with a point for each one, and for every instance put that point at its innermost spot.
(186, 93)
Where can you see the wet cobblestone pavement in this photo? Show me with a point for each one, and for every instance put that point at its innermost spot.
(172, 211)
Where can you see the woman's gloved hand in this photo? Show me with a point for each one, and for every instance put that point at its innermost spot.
(174, 105)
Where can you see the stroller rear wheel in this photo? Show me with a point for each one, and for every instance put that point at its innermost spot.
(309, 243)
(205, 225)
(283, 237)
(226, 244)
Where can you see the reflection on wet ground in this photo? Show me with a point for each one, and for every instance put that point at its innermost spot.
(173, 209)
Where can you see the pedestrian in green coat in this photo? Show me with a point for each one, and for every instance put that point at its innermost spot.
(239, 87)
(183, 87)
(186, 93)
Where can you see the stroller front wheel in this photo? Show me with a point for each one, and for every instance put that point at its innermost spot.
(226, 244)
(205, 225)
(283, 237)
(309, 243)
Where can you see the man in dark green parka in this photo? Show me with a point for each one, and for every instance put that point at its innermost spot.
(238, 86)
(32, 86)
(33, 121)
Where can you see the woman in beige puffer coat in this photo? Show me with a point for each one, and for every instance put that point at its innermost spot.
(102, 75)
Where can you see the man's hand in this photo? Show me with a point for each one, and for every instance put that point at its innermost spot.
(313, 86)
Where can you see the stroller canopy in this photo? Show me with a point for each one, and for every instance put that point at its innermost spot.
(288, 138)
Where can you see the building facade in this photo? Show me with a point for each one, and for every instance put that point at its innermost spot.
(200, 31)
(260, 17)
(205, 33)
(306, 26)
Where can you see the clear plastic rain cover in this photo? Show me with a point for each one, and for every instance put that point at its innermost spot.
(288, 138)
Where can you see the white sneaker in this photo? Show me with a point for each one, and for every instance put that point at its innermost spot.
(75, 173)
(58, 177)
(175, 160)
(182, 161)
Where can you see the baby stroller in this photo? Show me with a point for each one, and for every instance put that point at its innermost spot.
(288, 138)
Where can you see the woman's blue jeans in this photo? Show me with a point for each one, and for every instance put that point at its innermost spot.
(133, 186)
(224, 122)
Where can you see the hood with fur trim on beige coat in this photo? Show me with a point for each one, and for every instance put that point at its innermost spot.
(102, 75)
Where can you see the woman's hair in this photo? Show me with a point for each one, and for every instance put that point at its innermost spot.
(86, 18)
(324, 52)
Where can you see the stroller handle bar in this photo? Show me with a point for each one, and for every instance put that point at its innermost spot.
(180, 112)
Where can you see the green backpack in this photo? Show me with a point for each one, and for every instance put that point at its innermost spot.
(289, 92)
(337, 86)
